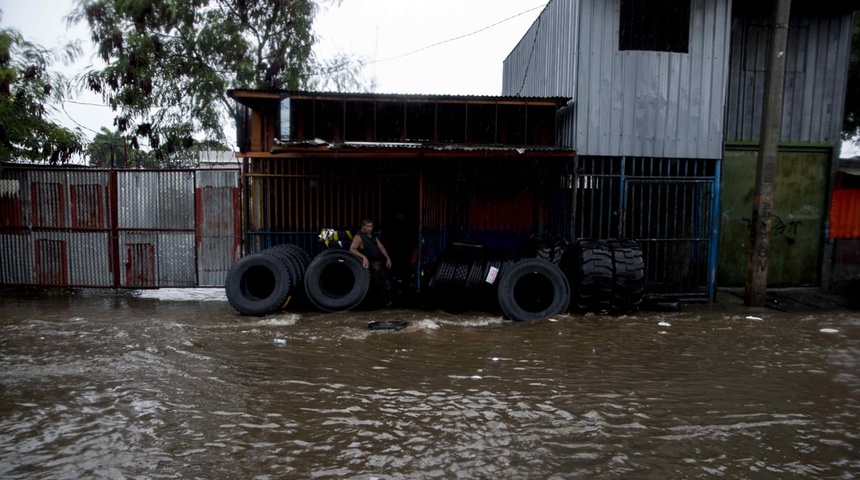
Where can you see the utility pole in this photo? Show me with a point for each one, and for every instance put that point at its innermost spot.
(765, 175)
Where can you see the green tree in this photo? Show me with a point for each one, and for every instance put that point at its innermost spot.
(851, 123)
(170, 63)
(108, 149)
(29, 93)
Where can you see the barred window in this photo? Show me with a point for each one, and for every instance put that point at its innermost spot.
(655, 25)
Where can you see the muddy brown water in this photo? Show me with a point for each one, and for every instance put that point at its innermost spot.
(177, 385)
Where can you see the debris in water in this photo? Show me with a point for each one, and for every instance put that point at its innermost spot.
(387, 325)
(665, 324)
(829, 330)
(280, 342)
(553, 320)
(750, 317)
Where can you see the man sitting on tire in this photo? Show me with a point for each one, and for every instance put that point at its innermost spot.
(368, 247)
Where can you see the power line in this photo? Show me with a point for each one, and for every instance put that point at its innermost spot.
(529, 63)
(461, 36)
(397, 57)
(86, 103)
(73, 120)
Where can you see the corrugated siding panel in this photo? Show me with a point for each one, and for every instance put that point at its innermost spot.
(636, 103)
(89, 262)
(157, 259)
(815, 78)
(845, 214)
(156, 199)
(16, 264)
(543, 63)
(656, 104)
(218, 225)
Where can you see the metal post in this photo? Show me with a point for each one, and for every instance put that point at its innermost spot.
(771, 125)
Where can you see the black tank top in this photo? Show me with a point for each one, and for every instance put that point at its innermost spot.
(370, 248)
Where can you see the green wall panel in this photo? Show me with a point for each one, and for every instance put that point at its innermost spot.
(794, 257)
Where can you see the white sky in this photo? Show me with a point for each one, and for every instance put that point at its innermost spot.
(377, 30)
(369, 29)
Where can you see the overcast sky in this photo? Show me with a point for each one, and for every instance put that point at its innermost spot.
(411, 46)
(394, 37)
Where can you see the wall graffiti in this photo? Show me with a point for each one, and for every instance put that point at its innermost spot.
(778, 226)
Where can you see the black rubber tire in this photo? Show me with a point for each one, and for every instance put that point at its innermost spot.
(588, 265)
(533, 288)
(336, 281)
(298, 261)
(473, 281)
(258, 284)
(298, 252)
(628, 287)
(461, 274)
(297, 274)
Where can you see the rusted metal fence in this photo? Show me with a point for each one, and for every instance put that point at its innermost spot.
(82, 227)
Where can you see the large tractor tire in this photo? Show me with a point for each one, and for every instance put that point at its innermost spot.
(588, 265)
(258, 284)
(533, 288)
(628, 286)
(336, 281)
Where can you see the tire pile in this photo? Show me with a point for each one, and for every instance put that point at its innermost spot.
(548, 277)
(266, 282)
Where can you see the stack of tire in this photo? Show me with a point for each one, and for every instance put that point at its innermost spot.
(267, 281)
(467, 278)
(607, 276)
(474, 278)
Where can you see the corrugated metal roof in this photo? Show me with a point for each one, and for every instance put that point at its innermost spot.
(318, 145)
(259, 94)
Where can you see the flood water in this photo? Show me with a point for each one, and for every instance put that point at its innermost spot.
(177, 385)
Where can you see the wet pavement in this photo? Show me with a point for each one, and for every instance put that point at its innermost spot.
(175, 384)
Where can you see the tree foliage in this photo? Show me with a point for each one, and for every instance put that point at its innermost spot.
(169, 63)
(29, 93)
(851, 123)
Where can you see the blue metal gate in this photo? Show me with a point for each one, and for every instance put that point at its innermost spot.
(668, 205)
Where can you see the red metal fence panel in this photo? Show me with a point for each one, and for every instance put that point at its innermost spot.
(82, 227)
(845, 214)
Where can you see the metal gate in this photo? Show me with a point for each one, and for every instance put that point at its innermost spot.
(668, 205)
(82, 227)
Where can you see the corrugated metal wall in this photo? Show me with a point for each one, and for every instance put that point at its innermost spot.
(109, 228)
(628, 103)
(544, 61)
(845, 214)
(815, 78)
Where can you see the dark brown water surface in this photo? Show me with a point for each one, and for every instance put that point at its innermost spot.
(177, 385)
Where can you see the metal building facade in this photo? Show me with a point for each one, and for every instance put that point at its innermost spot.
(627, 102)
(816, 68)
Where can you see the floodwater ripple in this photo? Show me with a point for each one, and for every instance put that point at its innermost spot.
(102, 385)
